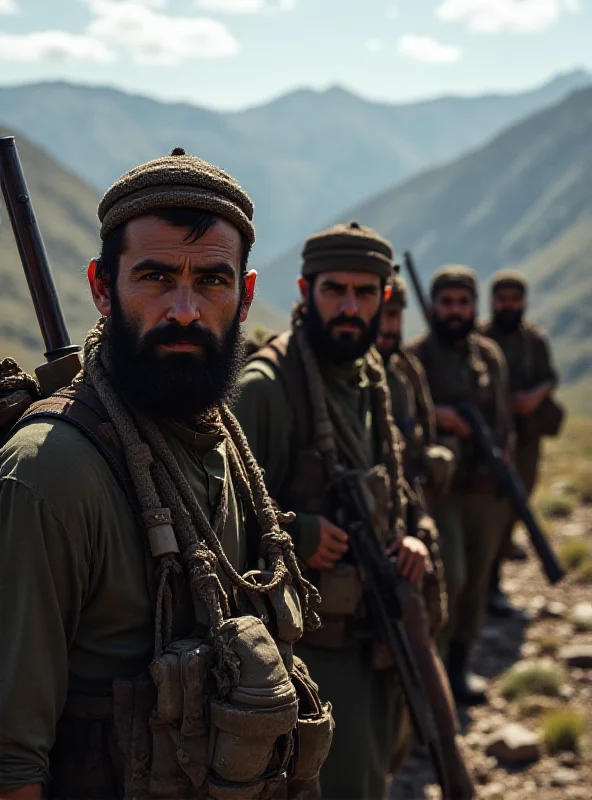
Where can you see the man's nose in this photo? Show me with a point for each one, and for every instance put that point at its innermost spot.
(350, 305)
(183, 307)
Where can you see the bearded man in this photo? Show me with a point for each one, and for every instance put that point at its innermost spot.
(533, 380)
(130, 507)
(461, 364)
(314, 397)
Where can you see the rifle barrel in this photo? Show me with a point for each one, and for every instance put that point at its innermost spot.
(32, 252)
(418, 288)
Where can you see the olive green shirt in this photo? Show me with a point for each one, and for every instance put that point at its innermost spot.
(75, 606)
(267, 418)
(527, 354)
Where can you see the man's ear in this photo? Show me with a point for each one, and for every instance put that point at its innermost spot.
(304, 288)
(100, 290)
(249, 282)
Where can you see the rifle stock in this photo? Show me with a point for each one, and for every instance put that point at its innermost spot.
(509, 481)
(63, 360)
(382, 586)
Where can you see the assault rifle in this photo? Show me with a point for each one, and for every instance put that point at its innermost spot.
(383, 585)
(508, 479)
(504, 474)
(63, 360)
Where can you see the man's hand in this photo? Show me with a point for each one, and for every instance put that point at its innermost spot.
(31, 792)
(413, 559)
(526, 403)
(332, 546)
(448, 419)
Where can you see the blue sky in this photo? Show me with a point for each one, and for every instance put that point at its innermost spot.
(236, 53)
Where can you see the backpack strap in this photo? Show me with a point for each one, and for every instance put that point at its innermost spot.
(80, 406)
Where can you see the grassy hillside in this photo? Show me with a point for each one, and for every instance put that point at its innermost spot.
(523, 200)
(66, 210)
(302, 157)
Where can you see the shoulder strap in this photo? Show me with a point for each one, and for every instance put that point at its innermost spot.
(283, 356)
(80, 406)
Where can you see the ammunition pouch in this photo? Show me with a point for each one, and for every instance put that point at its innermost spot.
(315, 726)
(439, 465)
(547, 420)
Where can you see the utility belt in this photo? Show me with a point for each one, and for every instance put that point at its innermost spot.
(175, 735)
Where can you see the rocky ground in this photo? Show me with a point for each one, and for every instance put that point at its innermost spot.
(512, 763)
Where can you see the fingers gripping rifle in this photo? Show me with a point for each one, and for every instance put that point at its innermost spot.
(63, 360)
(382, 586)
(511, 485)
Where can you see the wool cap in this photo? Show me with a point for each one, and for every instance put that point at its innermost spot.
(398, 298)
(508, 279)
(454, 276)
(351, 247)
(176, 181)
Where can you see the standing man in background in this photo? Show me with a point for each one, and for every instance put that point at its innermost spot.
(533, 379)
(462, 364)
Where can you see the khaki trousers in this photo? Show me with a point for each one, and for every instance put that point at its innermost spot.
(526, 460)
(368, 709)
(471, 526)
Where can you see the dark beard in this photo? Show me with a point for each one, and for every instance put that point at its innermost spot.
(346, 349)
(392, 346)
(508, 321)
(177, 385)
(449, 335)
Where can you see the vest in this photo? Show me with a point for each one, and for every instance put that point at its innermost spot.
(168, 735)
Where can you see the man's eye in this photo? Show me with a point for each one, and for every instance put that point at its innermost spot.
(212, 280)
(153, 276)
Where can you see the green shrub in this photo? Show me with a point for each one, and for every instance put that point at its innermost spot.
(557, 507)
(522, 681)
(562, 730)
(575, 553)
(549, 645)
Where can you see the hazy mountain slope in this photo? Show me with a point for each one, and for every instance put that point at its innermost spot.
(525, 198)
(302, 157)
(66, 210)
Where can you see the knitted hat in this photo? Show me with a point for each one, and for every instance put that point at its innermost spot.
(176, 181)
(454, 276)
(398, 298)
(350, 248)
(508, 279)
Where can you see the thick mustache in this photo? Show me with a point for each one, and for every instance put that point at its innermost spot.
(344, 320)
(174, 333)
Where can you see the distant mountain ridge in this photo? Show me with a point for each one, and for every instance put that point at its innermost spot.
(523, 200)
(303, 156)
(66, 208)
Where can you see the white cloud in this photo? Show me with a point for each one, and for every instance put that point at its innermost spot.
(392, 12)
(424, 48)
(8, 7)
(374, 45)
(246, 6)
(495, 16)
(53, 46)
(152, 37)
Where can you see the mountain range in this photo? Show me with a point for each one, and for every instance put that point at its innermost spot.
(303, 157)
(524, 200)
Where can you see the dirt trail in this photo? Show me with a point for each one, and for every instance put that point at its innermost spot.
(543, 613)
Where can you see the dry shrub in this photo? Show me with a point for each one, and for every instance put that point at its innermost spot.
(524, 680)
(562, 730)
(575, 553)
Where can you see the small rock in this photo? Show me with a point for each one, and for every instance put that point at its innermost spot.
(573, 529)
(568, 759)
(498, 703)
(537, 603)
(578, 792)
(529, 787)
(577, 655)
(566, 691)
(514, 743)
(564, 777)
(529, 650)
(581, 616)
(554, 610)
(494, 791)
